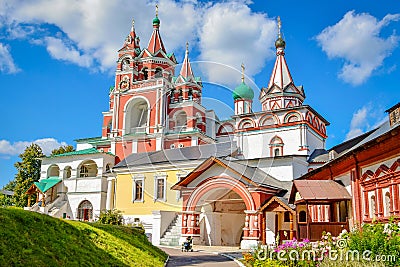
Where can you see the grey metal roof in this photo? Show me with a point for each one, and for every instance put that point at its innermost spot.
(257, 175)
(179, 154)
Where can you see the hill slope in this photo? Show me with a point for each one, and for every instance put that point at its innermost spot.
(32, 239)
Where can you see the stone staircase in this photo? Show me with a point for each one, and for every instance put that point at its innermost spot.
(173, 233)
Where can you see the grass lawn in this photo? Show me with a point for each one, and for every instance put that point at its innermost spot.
(32, 239)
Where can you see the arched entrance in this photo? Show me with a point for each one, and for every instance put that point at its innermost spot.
(220, 212)
(85, 211)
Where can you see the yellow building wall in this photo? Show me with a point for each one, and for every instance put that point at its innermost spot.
(124, 193)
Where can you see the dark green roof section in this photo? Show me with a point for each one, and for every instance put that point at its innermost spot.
(46, 184)
(87, 151)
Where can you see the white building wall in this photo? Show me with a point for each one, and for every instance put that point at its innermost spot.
(256, 144)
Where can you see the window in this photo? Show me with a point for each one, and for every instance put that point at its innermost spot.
(276, 146)
(302, 216)
(181, 119)
(67, 172)
(145, 74)
(83, 172)
(286, 216)
(138, 190)
(158, 73)
(88, 169)
(160, 188)
(373, 208)
(387, 204)
(138, 183)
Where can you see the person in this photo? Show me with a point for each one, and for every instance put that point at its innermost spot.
(187, 245)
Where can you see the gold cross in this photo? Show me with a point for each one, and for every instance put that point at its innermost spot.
(279, 25)
(156, 10)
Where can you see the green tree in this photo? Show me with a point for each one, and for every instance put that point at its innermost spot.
(62, 150)
(28, 172)
(7, 200)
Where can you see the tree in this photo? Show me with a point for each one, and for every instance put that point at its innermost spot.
(62, 150)
(7, 200)
(28, 172)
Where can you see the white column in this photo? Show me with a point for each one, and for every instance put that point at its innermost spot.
(110, 193)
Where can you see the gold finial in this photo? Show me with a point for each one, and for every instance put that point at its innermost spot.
(133, 24)
(187, 47)
(242, 72)
(279, 26)
(156, 10)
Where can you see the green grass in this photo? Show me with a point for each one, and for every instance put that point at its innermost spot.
(32, 239)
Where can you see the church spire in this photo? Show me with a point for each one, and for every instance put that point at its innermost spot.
(281, 89)
(281, 76)
(186, 70)
(155, 43)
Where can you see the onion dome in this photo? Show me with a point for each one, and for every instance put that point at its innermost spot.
(280, 43)
(243, 91)
(156, 21)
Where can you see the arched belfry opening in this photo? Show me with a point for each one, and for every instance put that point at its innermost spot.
(137, 116)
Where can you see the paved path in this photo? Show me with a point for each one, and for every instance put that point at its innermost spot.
(198, 258)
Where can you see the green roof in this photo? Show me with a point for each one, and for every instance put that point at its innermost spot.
(46, 184)
(91, 150)
(243, 91)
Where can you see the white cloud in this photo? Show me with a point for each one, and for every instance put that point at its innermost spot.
(365, 119)
(232, 34)
(7, 64)
(62, 51)
(356, 39)
(16, 148)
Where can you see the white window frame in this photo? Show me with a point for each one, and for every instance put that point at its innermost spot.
(135, 179)
(158, 177)
(179, 177)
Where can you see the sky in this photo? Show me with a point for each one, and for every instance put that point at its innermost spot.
(58, 59)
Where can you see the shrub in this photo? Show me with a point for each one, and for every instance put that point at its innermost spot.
(113, 217)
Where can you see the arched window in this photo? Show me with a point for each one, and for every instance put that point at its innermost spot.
(387, 204)
(53, 171)
(302, 216)
(181, 119)
(67, 172)
(88, 169)
(136, 117)
(276, 146)
(145, 74)
(373, 206)
(85, 211)
(158, 73)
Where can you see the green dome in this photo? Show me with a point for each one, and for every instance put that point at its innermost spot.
(280, 43)
(156, 21)
(243, 91)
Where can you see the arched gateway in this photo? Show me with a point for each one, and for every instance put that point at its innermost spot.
(222, 201)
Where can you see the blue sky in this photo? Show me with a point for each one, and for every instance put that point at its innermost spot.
(57, 60)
